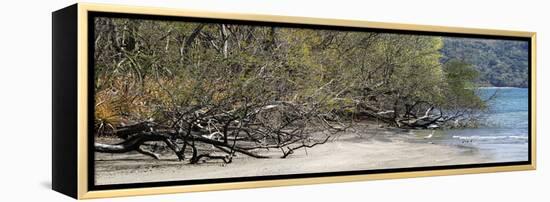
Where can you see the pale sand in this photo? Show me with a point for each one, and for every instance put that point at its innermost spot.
(383, 148)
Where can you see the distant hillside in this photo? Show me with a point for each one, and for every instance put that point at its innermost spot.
(500, 62)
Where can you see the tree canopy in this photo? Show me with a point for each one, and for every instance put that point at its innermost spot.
(501, 63)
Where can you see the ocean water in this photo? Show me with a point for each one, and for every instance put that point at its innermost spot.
(503, 134)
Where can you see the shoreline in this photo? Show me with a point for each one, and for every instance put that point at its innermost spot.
(376, 148)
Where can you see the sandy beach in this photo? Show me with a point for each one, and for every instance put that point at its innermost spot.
(377, 148)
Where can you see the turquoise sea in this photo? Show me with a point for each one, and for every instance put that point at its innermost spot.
(504, 129)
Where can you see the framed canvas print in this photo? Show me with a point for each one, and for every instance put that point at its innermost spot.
(156, 100)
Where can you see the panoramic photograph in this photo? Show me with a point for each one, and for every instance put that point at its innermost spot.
(195, 100)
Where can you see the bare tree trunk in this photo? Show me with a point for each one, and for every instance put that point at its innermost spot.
(225, 39)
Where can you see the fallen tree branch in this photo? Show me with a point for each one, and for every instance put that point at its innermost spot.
(291, 150)
(134, 142)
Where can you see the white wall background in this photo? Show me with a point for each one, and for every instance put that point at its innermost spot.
(25, 99)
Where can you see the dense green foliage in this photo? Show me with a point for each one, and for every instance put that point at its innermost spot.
(461, 97)
(500, 62)
(154, 70)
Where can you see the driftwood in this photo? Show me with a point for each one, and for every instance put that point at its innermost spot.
(135, 142)
(409, 118)
(242, 131)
